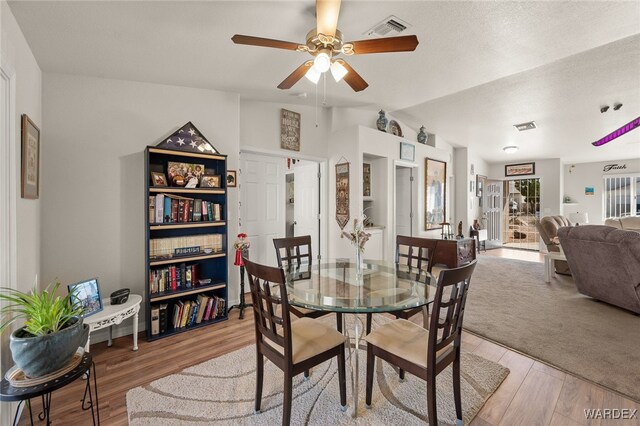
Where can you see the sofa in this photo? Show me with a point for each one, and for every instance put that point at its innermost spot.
(605, 263)
(631, 223)
(548, 229)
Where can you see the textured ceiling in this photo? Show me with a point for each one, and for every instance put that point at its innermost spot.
(462, 45)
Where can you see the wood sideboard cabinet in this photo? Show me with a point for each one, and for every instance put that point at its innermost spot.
(455, 253)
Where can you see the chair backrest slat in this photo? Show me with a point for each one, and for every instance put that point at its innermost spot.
(271, 311)
(415, 253)
(448, 309)
(293, 251)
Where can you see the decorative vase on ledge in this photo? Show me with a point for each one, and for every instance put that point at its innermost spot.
(382, 121)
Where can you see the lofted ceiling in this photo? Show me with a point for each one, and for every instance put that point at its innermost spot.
(467, 80)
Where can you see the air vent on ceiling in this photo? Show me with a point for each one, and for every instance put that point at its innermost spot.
(525, 126)
(391, 26)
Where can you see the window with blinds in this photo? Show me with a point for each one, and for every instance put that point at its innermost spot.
(621, 196)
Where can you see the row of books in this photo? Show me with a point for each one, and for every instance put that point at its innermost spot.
(186, 313)
(168, 208)
(175, 277)
(163, 248)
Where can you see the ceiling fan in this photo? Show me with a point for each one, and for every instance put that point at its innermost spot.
(325, 43)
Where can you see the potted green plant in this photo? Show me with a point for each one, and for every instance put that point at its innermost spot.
(52, 331)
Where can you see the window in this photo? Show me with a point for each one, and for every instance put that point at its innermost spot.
(621, 196)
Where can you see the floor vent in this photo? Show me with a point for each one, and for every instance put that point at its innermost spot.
(391, 26)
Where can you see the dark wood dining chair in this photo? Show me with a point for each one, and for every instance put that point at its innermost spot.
(293, 252)
(425, 353)
(292, 347)
(414, 255)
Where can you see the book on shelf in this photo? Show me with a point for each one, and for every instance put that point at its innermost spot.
(163, 317)
(175, 277)
(187, 313)
(167, 248)
(169, 208)
(155, 320)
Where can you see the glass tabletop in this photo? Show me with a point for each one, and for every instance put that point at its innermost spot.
(334, 286)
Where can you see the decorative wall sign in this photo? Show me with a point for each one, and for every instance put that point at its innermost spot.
(435, 193)
(618, 132)
(521, 169)
(366, 180)
(342, 194)
(289, 130)
(407, 151)
(610, 167)
(188, 138)
(30, 159)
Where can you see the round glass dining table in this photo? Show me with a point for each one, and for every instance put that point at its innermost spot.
(335, 286)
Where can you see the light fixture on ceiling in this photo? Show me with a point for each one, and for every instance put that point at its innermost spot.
(313, 75)
(510, 149)
(322, 62)
(338, 71)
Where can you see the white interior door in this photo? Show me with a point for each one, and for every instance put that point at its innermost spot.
(262, 209)
(306, 208)
(493, 209)
(404, 201)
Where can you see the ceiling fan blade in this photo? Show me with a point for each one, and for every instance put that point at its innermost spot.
(385, 45)
(327, 12)
(295, 76)
(264, 42)
(353, 79)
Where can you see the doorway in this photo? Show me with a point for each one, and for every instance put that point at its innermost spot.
(404, 200)
(520, 210)
(279, 198)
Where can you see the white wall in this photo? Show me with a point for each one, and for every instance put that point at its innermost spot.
(260, 128)
(93, 195)
(550, 173)
(28, 100)
(579, 176)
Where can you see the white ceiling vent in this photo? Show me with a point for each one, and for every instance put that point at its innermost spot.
(525, 126)
(390, 26)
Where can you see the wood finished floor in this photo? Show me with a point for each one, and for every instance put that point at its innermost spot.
(532, 394)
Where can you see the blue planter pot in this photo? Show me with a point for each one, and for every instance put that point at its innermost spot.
(38, 356)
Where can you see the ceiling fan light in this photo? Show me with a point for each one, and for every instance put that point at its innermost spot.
(510, 149)
(313, 75)
(322, 62)
(338, 71)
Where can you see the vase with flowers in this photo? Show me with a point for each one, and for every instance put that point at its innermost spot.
(358, 238)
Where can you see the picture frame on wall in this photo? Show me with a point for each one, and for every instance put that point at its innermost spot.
(232, 179)
(480, 183)
(289, 130)
(30, 181)
(520, 169)
(407, 151)
(435, 193)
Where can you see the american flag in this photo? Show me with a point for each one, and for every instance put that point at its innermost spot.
(188, 138)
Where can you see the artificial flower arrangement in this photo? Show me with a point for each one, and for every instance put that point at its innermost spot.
(357, 236)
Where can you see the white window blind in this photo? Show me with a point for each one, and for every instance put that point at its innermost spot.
(620, 196)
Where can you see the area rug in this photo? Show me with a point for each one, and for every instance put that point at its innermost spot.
(222, 391)
(509, 303)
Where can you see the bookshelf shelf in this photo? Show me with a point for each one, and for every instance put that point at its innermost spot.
(156, 297)
(180, 190)
(158, 227)
(173, 216)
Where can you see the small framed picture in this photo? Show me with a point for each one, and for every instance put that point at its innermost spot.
(521, 169)
(407, 151)
(30, 159)
(86, 294)
(232, 179)
(158, 179)
(210, 181)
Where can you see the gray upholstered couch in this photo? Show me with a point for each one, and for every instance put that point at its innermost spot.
(605, 262)
(548, 230)
(632, 223)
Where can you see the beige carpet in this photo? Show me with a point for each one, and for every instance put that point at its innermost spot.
(221, 391)
(510, 303)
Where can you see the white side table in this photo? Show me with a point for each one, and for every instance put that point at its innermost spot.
(114, 315)
(549, 257)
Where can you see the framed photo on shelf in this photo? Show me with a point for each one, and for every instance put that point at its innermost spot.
(30, 186)
(185, 174)
(521, 169)
(158, 179)
(210, 181)
(232, 179)
(407, 151)
(87, 294)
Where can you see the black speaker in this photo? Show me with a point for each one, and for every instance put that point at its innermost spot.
(119, 297)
